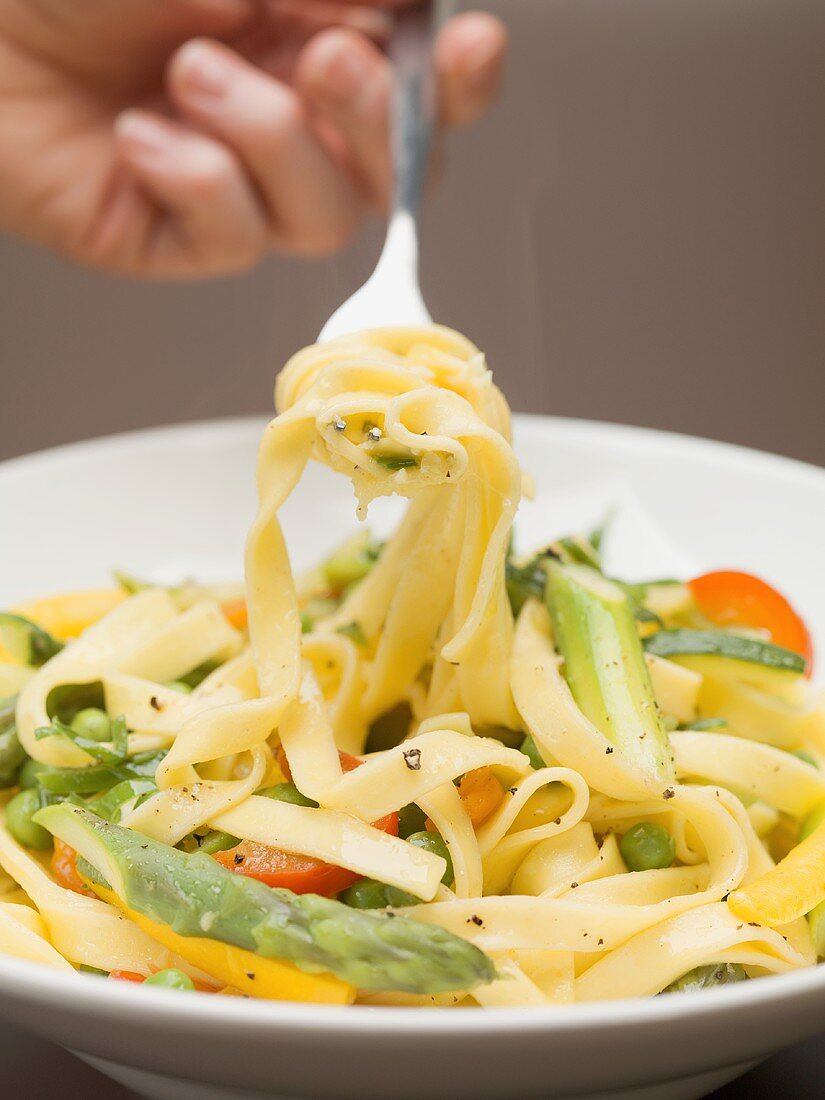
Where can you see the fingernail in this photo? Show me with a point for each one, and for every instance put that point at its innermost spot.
(342, 71)
(204, 74)
(144, 136)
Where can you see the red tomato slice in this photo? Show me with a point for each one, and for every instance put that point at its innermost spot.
(300, 874)
(64, 869)
(729, 598)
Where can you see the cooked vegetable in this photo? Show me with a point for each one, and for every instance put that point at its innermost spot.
(731, 599)
(192, 892)
(481, 793)
(26, 641)
(367, 894)
(395, 462)
(706, 977)
(65, 781)
(172, 979)
(179, 686)
(605, 668)
(531, 751)
(647, 846)
(411, 819)
(792, 888)
(718, 643)
(92, 723)
(298, 873)
(20, 821)
(12, 753)
(351, 561)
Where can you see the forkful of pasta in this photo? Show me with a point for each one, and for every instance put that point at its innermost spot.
(392, 295)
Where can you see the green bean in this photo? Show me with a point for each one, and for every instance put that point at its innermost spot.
(19, 814)
(531, 751)
(647, 846)
(172, 979)
(287, 792)
(92, 723)
(367, 894)
(215, 841)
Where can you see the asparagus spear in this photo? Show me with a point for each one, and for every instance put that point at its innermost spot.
(195, 896)
(604, 665)
(27, 641)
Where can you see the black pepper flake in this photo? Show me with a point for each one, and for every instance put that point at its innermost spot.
(238, 859)
(574, 886)
(754, 924)
(155, 703)
(608, 751)
(513, 790)
(557, 821)
(250, 975)
(600, 942)
(412, 758)
(476, 920)
(669, 793)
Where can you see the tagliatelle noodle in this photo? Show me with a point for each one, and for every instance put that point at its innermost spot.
(540, 884)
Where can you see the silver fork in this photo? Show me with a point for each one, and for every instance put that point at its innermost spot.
(392, 295)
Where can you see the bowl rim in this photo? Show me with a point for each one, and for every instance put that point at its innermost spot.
(31, 982)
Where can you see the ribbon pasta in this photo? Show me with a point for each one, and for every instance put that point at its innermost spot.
(540, 884)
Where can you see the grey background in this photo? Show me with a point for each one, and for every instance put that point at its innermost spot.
(637, 234)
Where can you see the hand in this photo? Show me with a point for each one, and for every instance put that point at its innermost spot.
(190, 137)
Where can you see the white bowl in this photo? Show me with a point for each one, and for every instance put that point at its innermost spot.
(177, 501)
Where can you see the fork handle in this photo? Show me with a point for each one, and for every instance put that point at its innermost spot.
(414, 101)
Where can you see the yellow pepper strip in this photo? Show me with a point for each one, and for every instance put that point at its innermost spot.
(244, 971)
(68, 614)
(789, 890)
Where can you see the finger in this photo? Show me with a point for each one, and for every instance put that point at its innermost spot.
(314, 204)
(469, 59)
(208, 217)
(348, 81)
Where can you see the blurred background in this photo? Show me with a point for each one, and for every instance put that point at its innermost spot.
(637, 234)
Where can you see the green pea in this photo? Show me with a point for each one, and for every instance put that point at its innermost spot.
(287, 792)
(806, 757)
(434, 842)
(172, 979)
(647, 847)
(367, 894)
(399, 898)
(218, 842)
(93, 723)
(30, 772)
(306, 623)
(19, 814)
(531, 751)
(411, 819)
(182, 687)
(812, 821)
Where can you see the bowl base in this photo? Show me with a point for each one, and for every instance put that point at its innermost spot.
(157, 1086)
